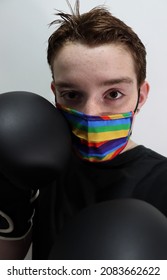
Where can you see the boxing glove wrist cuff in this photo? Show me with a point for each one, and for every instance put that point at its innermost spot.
(9, 232)
(17, 208)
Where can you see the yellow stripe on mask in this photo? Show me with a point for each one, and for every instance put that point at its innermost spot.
(103, 136)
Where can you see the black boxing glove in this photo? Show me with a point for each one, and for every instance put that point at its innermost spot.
(121, 229)
(35, 146)
(35, 142)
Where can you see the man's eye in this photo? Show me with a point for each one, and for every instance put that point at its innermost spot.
(114, 95)
(71, 95)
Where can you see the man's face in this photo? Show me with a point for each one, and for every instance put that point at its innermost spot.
(96, 80)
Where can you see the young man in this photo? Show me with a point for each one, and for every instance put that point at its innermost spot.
(98, 66)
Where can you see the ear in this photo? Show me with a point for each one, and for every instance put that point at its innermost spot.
(53, 88)
(144, 90)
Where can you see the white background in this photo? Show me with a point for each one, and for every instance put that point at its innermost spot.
(23, 42)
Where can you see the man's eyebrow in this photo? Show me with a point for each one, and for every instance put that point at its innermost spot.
(114, 81)
(64, 84)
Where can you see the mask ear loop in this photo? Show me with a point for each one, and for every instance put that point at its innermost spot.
(136, 108)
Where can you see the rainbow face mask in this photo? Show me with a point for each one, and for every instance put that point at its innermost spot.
(98, 138)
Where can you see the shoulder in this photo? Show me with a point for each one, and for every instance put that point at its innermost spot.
(154, 154)
(150, 156)
(153, 164)
(158, 161)
(153, 186)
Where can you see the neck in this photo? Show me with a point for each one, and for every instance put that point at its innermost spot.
(131, 144)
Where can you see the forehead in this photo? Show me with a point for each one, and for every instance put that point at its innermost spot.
(78, 59)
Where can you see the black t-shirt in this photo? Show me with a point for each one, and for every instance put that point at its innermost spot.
(138, 173)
